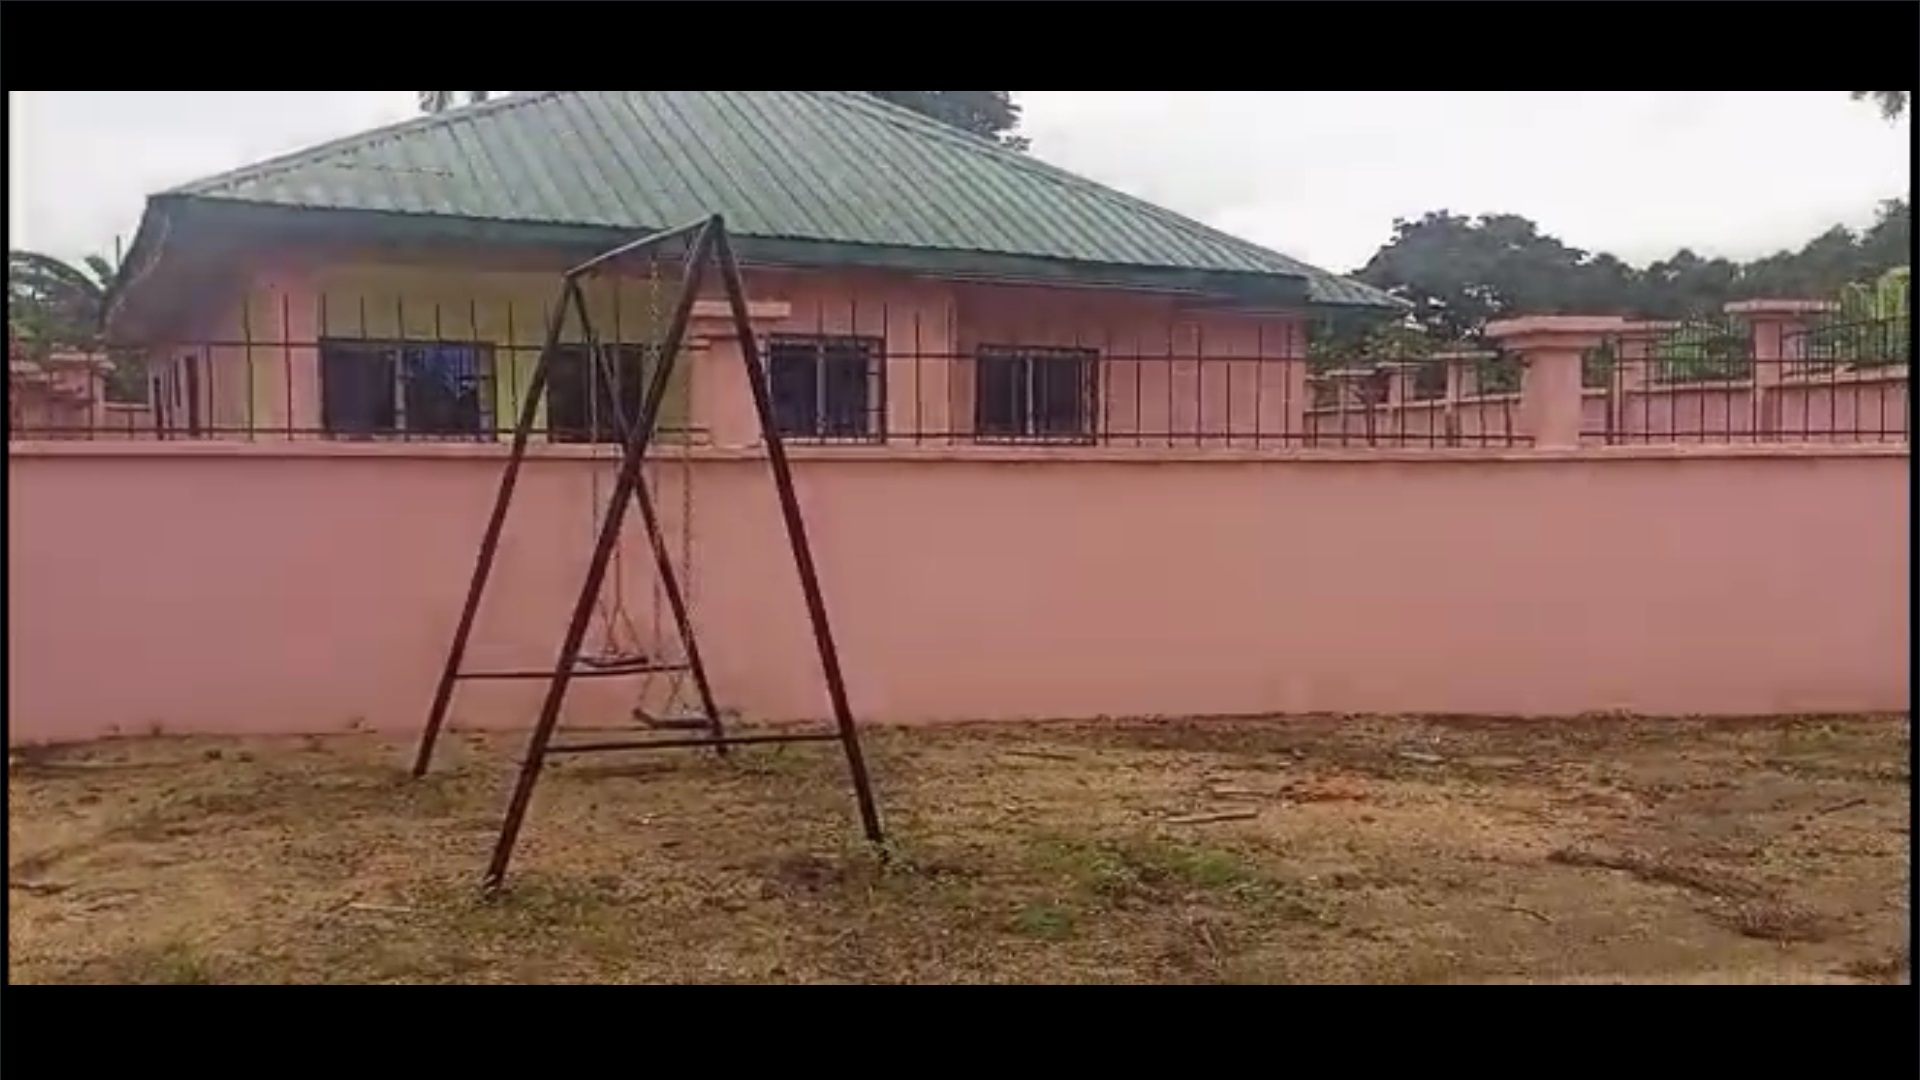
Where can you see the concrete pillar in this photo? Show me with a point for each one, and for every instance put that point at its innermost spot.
(722, 399)
(1553, 349)
(1777, 328)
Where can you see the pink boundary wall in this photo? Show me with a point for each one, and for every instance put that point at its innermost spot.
(303, 588)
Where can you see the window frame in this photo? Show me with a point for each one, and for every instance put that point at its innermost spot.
(876, 406)
(1029, 358)
(394, 353)
(592, 434)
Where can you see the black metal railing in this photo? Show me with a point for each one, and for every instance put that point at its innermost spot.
(856, 375)
(1441, 400)
(1853, 345)
(1699, 351)
(836, 390)
(1747, 400)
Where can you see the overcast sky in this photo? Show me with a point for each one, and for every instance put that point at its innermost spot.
(1320, 175)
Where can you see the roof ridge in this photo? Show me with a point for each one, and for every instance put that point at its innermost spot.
(908, 118)
(362, 140)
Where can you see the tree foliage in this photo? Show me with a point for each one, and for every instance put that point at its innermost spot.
(55, 306)
(439, 101)
(992, 114)
(1893, 103)
(1461, 272)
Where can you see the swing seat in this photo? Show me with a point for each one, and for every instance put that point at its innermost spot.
(613, 660)
(671, 723)
(605, 666)
(614, 665)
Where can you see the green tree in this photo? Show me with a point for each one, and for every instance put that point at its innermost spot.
(1890, 242)
(1461, 272)
(1682, 285)
(55, 306)
(439, 101)
(992, 114)
(52, 304)
(1893, 103)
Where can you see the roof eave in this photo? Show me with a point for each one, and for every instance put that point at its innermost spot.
(1387, 303)
(187, 213)
(143, 253)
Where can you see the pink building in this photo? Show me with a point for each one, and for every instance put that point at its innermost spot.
(915, 283)
(55, 394)
(63, 395)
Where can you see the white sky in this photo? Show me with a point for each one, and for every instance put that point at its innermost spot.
(1320, 175)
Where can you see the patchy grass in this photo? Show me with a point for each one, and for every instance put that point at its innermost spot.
(1319, 850)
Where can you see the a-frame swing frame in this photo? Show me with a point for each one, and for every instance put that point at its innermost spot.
(707, 245)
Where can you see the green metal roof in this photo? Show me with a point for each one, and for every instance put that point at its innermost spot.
(830, 171)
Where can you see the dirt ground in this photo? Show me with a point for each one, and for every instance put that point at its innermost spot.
(1300, 851)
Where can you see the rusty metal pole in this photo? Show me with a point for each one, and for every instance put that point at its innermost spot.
(800, 543)
(639, 440)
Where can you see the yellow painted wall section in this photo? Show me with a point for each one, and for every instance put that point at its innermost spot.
(509, 311)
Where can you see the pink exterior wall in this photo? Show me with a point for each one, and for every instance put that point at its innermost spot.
(1492, 420)
(1170, 370)
(300, 585)
(303, 588)
(64, 393)
(1841, 407)
(65, 397)
(256, 357)
(1852, 406)
(1788, 396)
(46, 408)
(126, 421)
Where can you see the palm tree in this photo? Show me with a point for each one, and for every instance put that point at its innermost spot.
(1893, 103)
(439, 101)
(55, 304)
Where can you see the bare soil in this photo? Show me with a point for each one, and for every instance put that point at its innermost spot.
(1184, 852)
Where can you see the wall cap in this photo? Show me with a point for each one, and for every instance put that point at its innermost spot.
(1782, 307)
(1537, 326)
(670, 457)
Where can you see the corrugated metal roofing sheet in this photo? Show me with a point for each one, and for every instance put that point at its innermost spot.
(806, 165)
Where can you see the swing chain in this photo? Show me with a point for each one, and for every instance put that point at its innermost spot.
(684, 437)
(676, 687)
(655, 351)
(603, 386)
(606, 378)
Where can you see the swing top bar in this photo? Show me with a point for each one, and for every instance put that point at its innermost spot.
(660, 239)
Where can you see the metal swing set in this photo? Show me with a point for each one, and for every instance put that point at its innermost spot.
(682, 724)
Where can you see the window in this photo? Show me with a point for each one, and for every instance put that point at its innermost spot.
(828, 388)
(373, 388)
(1044, 395)
(585, 410)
